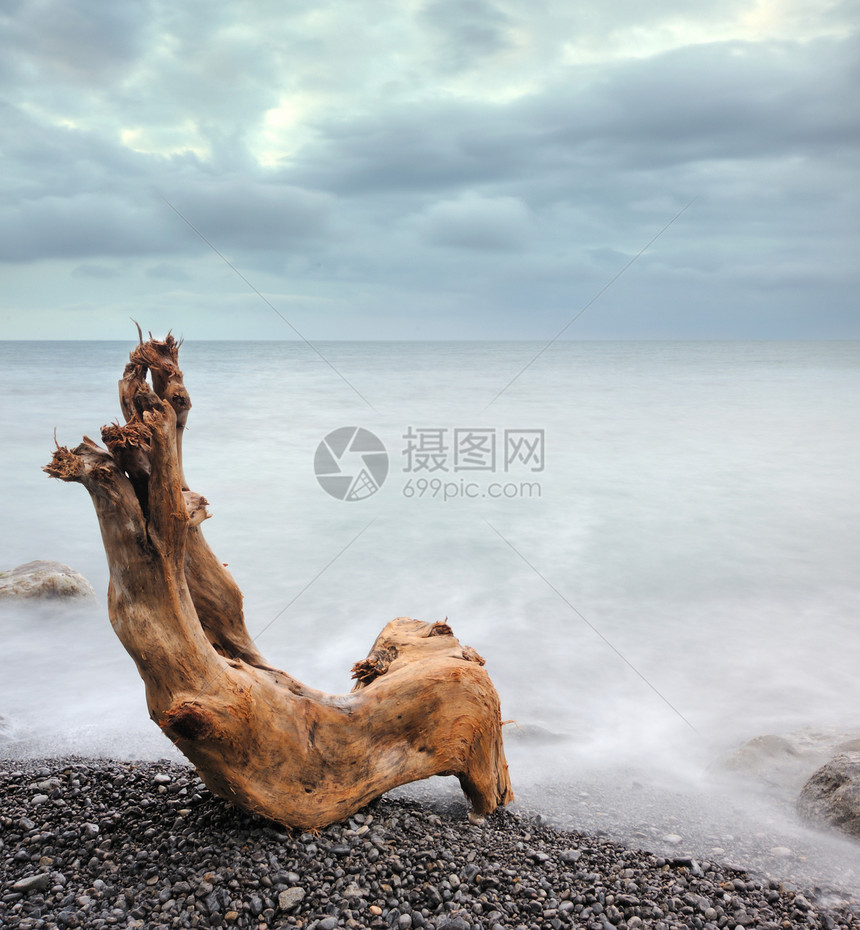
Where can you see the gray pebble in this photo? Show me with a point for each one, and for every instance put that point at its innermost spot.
(119, 854)
(33, 883)
(290, 898)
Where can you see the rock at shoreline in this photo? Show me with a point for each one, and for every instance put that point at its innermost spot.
(42, 579)
(782, 765)
(759, 756)
(831, 797)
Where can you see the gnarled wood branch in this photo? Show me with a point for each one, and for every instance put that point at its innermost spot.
(422, 704)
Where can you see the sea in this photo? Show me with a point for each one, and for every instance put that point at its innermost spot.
(654, 545)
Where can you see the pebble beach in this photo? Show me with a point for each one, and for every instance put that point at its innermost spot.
(99, 843)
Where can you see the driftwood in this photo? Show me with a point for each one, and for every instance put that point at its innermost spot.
(422, 704)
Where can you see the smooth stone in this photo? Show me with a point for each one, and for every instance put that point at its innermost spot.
(41, 579)
(781, 852)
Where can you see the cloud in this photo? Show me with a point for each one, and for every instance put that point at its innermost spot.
(699, 107)
(253, 215)
(73, 193)
(87, 42)
(352, 156)
(720, 101)
(78, 226)
(103, 272)
(467, 32)
(167, 272)
(475, 222)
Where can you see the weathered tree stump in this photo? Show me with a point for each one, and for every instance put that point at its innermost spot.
(422, 704)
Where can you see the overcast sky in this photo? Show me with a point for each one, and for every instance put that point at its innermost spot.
(430, 169)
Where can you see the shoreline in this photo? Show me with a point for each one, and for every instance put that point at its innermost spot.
(100, 843)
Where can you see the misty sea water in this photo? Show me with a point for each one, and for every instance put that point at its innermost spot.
(675, 573)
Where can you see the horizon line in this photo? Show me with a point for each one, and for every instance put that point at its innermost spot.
(471, 340)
